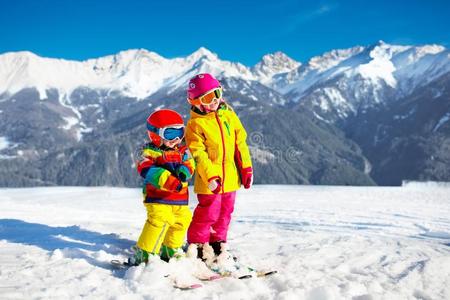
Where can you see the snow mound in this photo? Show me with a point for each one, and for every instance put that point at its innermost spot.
(425, 184)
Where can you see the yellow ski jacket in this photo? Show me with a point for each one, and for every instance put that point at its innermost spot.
(217, 141)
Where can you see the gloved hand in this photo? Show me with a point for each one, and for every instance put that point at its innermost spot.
(173, 184)
(215, 185)
(247, 177)
(183, 173)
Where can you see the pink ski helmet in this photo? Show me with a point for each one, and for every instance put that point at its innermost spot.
(201, 84)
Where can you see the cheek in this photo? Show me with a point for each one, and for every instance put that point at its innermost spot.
(213, 106)
(171, 144)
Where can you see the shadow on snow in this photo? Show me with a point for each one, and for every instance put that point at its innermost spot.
(72, 239)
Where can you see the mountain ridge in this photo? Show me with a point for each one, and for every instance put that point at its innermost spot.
(335, 110)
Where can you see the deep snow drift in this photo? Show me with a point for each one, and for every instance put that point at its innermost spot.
(326, 242)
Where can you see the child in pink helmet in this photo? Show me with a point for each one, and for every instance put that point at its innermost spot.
(217, 140)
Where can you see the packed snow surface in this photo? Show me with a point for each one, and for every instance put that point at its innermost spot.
(325, 242)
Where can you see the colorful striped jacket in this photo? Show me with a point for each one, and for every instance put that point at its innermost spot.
(165, 173)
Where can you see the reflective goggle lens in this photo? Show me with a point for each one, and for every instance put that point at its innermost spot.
(172, 133)
(209, 97)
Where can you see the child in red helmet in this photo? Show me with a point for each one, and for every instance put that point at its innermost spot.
(217, 141)
(166, 165)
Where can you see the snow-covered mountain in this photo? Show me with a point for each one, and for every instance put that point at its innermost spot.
(140, 73)
(350, 81)
(54, 110)
(134, 73)
(388, 99)
(273, 64)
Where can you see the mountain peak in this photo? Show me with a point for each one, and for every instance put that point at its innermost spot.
(279, 57)
(333, 58)
(203, 52)
(138, 54)
(275, 63)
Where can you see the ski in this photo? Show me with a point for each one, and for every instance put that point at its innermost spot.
(176, 284)
(120, 264)
(187, 286)
(261, 273)
(206, 273)
(209, 278)
(243, 272)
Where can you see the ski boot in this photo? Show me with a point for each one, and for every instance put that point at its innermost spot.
(202, 251)
(168, 253)
(223, 261)
(140, 256)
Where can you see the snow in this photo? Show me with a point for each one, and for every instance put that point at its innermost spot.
(135, 73)
(442, 121)
(403, 68)
(321, 68)
(139, 73)
(79, 130)
(4, 144)
(263, 156)
(326, 242)
(273, 64)
(380, 67)
(70, 122)
(407, 115)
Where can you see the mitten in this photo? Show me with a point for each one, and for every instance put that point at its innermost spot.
(172, 184)
(215, 185)
(247, 177)
(183, 173)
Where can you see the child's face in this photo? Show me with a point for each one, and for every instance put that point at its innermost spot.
(213, 105)
(171, 144)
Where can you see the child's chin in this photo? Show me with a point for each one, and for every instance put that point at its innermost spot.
(213, 108)
(171, 145)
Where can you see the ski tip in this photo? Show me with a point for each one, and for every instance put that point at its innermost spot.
(268, 273)
(118, 263)
(188, 287)
(215, 277)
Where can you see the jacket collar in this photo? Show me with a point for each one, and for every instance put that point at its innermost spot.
(196, 113)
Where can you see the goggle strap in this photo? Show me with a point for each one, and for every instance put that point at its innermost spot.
(152, 128)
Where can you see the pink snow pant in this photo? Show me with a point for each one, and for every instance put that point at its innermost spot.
(211, 218)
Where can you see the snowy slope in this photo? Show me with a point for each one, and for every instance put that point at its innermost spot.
(327, 243)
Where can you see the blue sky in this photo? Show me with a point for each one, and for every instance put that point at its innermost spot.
(236, 30)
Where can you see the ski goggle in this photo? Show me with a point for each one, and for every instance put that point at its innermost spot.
(208, 97)
(169, 133)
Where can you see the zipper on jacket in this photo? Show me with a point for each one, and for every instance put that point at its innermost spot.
(223, 150)
(228, 127)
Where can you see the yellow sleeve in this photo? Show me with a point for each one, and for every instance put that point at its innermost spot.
(196, 143)
(242, 150)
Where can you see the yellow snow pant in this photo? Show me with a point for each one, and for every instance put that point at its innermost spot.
(166, 224)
